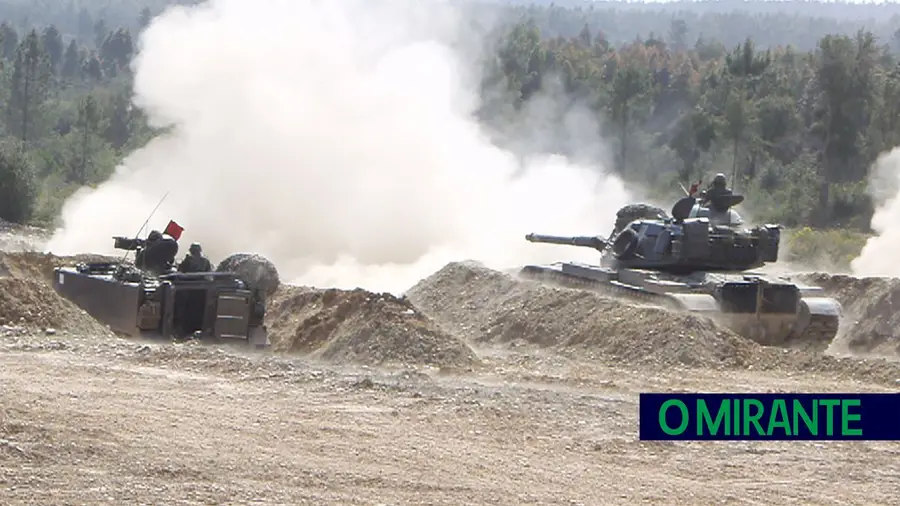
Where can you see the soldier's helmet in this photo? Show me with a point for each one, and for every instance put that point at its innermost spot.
(195, 248)
(719, 181)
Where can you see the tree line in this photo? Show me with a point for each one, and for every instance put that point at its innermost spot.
(797, 131)
(800, 23)
(67, 118)
(795, 126)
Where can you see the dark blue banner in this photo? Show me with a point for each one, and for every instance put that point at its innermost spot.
(775, 417)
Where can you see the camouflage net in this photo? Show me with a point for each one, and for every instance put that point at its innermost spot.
(633, 212)
(256, 270)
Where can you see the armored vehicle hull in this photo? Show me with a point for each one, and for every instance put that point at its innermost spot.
(215, 306)
(770, 310)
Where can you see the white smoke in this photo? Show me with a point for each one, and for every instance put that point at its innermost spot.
(878, 256)
(337, 139)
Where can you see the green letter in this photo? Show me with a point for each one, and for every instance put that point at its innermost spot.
(754, 419)
(846, 417)
(812, 424)
(737, 417)
(704, 418)
(779, 408)
(662, 417)
(829, 415)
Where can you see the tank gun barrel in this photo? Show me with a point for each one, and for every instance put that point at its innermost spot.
(597, 243)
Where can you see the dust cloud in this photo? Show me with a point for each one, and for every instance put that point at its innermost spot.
(879, 256)
(337, 139)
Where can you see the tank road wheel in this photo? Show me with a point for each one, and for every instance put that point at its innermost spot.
(256, 270)
(816, 327)
(757, 332)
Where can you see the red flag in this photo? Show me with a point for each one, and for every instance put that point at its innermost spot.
(694, 188)
(174, 230)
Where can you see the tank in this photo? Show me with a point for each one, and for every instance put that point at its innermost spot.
(700, 258)
(211, 306)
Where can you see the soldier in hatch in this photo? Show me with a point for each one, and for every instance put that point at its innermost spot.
(158, 253)
(140, 258)
(194, 261)
(718, 200)
(717, 196)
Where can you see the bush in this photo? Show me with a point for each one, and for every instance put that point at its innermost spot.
(52, 194)
(834, 248)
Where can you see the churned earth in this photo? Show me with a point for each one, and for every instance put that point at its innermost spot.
(475, 388)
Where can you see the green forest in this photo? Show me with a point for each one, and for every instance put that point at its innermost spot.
(792, 100)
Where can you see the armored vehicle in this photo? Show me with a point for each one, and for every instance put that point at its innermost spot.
(214, 306)
(700, 259)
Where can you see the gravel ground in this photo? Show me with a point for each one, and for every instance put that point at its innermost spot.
(112, 421)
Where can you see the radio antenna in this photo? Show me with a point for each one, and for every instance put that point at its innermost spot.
(146, 222)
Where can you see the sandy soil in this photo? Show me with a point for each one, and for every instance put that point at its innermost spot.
(88, 421)
(474, 393)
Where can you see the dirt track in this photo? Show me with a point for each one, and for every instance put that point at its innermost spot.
(497, 404)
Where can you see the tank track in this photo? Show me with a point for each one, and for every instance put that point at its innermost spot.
(818, 335)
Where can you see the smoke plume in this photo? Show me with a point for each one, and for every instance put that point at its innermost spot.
(337, 139)
(878, 256)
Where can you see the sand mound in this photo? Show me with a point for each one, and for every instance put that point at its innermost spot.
(360, 327)
(872, 311)
(28, 300)
(39, 266)
(27, 265)
(490, 306)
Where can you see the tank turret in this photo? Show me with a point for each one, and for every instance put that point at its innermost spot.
(694, 238)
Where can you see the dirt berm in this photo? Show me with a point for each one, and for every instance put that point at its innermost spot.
(493, 307)
(28, 301)
(361, 327)
(871, 312)
(488, 306)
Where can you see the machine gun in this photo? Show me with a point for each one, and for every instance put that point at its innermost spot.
(128, 243)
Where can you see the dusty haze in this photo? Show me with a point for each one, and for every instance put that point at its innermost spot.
(335, 138)
(879, 256)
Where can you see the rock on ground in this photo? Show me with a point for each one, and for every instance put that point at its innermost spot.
(254, 269)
